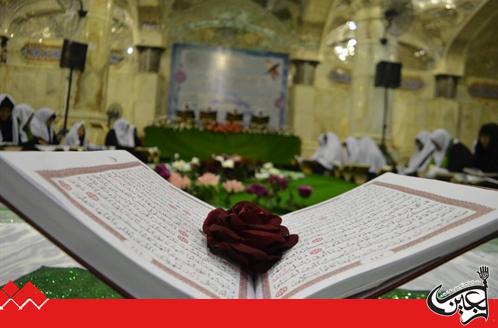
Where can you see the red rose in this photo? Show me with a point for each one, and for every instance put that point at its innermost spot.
(248, 235)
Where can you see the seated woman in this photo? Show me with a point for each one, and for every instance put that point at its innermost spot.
(328, 154)
(76, 137)
(364, 151)
(351, 150)
(42, 127)
(362, 158)
(486, 149)
(23, 114)
(8, 125)
(370, 154)
(449, 153)
(422, 157)
(123, 135)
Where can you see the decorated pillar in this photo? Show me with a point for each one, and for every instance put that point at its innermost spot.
(90, 87)
(367, 101)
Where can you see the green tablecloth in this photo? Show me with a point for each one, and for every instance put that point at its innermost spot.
(275, 148)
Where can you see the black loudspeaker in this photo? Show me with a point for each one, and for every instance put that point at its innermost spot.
(388, 75)
(73, 55)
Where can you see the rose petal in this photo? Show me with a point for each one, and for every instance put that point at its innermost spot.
(262, 239)
(239, 258)
(284, 231)
(251, 251)
(223, 233)
(275, 220)
(282, 247)
(234, 222)
(213, 218)
(291, 241)
(264, 227)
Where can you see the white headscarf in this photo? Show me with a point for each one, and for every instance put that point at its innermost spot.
(22, 114)
(328, 153)
(370, 154)
(125, 133)
(353, 150)
(442, 138)
(420, 159)
(73, 138)
(39, 127)
(3, 96)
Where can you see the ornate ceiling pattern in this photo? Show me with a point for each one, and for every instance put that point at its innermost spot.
(307, 29)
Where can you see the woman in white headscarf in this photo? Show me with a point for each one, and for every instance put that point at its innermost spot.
(23, 114)
(421, 158)
(122, 135)
(352, 150)
(328, 154)
(76, 137)
(8, 126)
(449, 153)
(42, 127)
(369, 153)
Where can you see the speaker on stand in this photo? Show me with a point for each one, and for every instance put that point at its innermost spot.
(73, 56)
(388, 76)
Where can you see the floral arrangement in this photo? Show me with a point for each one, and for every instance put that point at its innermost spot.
(227, 127)
(222, 175)
(203, 179)
(248, 235)
(267, 170)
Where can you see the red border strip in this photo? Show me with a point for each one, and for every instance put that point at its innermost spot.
(239, 313)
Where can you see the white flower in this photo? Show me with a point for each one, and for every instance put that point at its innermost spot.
(181, 166)
(262, 175)
(177, 156)
(274, 171)
(228, 164)
(268, 166)
(219, 158)
(194, 161)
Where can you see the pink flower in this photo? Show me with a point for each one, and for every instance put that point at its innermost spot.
(208, 179)
(182, 182)
(234, 186)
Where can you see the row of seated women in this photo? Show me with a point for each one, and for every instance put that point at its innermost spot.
(20, 125)
(436, 152)
(440, 152)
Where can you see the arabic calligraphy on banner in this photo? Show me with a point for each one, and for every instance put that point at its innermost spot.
(52, 53)
(227, 79)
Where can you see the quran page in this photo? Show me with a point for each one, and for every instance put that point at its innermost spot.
(394, 223)
(136, 212)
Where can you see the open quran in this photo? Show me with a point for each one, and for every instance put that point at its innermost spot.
(142, 235)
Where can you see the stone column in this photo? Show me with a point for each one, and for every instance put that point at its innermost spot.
(90, 87)
(367, 101)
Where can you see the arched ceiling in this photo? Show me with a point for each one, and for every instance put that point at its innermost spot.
(482, 56)
(308, 29)
(423, 41)
(57, 19)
